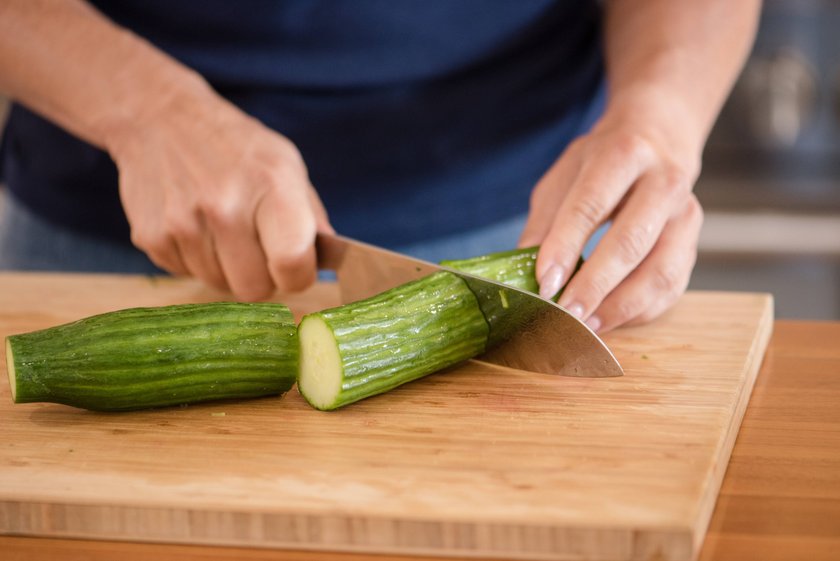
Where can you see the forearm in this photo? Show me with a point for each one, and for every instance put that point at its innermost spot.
(671, 63)
(66, 61)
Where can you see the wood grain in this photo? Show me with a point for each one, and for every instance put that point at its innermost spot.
(780, 499)
(476, 461)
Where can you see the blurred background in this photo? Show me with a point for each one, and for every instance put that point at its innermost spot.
(770, 185)
(771, 179)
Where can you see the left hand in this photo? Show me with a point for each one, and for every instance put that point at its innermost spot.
(640, 179)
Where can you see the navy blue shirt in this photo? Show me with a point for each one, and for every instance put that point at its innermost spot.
(416, 119)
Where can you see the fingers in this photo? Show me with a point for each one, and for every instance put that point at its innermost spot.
(148, 233)
(651, 202)
(287, 225)
(163, 253)
(249, 247)
(660, 279)
(269, 244)
(599, 187)
(547, 196)
(240, 255)
(197, 249)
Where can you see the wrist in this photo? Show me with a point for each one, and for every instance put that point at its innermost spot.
(150, 93)
(660, 117)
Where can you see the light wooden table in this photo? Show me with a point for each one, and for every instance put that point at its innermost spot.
(780, 498)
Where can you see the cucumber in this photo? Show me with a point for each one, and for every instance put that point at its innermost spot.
(515, 267)
(371, 346)
(152, 357)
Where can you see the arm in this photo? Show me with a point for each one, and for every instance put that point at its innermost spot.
(208, 191)
(670, 66)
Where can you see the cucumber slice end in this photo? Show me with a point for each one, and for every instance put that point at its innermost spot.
(10, 369)
(321, 372)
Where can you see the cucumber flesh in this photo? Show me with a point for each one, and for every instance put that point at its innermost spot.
(10, 369)
(320, 363)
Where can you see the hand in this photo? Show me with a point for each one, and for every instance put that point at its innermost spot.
(210, 192)
(640, 179)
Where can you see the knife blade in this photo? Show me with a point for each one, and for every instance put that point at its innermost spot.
(535, 334)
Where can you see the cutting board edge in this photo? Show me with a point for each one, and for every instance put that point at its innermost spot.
(340, 532)
(755, 358)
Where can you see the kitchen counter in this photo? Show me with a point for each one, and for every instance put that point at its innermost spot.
(780, 497)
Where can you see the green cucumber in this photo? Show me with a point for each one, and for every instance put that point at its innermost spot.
(371, 346)
(515, 267)
(151, 357)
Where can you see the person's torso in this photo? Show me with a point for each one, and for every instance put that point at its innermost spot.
(415, 118)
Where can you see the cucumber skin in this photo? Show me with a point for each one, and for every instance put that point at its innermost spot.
(515, 267)
(403, 334)
(141, 358)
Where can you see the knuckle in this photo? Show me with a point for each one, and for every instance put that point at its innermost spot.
(676, 181)
(600, 285)
(181, 227)
(223, 212)
(652, 312)
(180, 222)
(144, 239)
(576, 147)
(282, 159)
(695, 210)
(646, 316)
(283, 149)
(266, 175)
(667, 278)
(633, 243)
(625, 310)
(150, 240)
(291, 153)
(291, 271)
(631, 146)
(590, 213)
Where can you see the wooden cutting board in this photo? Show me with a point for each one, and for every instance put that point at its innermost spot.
(476, 461)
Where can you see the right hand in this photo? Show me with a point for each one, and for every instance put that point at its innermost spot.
(212, 193)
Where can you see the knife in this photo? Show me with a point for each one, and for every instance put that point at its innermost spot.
(535, 334)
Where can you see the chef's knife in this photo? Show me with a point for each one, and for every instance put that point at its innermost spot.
(535, 335)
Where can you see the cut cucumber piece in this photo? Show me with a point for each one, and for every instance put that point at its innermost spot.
(371, 346)
(151, 357)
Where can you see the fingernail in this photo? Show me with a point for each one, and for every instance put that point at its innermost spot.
(576, 310)
(594, 323)
(551, 282)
